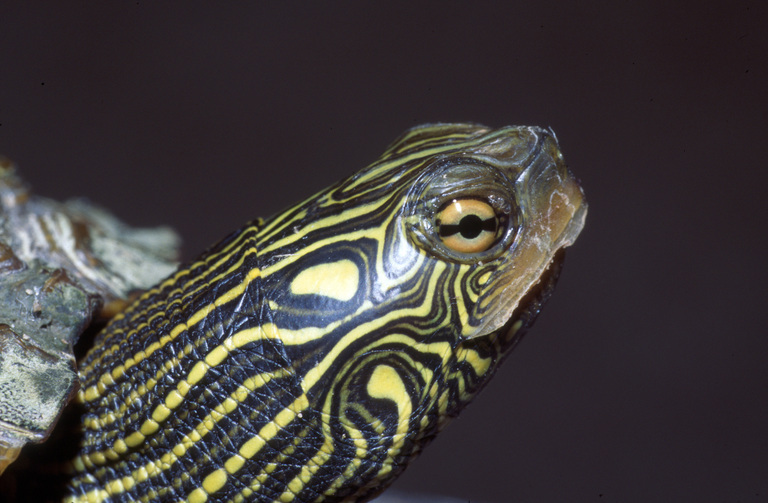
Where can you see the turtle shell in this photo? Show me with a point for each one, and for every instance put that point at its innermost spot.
(62, 265)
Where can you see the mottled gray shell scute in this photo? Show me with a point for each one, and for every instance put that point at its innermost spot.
(59, 263)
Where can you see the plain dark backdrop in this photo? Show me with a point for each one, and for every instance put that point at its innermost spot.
(646, 377)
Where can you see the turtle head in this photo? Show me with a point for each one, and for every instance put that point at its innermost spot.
(397, 292)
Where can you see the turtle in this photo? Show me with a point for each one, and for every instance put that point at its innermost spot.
(312, 355)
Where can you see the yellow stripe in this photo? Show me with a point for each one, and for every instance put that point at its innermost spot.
(376, 233)
(325, 223)
(414, 145)
(156, 467)
(176, 397)
(252, 447)
(92, 393)
(176, 279)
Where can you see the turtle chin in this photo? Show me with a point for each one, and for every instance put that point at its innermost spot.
(532, 302)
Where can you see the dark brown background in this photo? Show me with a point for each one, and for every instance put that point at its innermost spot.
(646, 379)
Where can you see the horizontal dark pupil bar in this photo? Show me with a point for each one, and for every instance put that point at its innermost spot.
(470, 227)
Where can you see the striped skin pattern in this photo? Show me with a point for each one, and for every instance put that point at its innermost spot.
(310, 356)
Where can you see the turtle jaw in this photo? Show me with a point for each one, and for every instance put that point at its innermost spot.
(531, 304)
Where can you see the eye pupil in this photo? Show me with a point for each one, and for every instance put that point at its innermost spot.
(470, 226)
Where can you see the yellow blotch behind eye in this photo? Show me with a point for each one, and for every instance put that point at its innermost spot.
(468, 225)
(338, 280)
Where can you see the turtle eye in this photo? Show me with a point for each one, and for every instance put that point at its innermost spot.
(468, 225)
